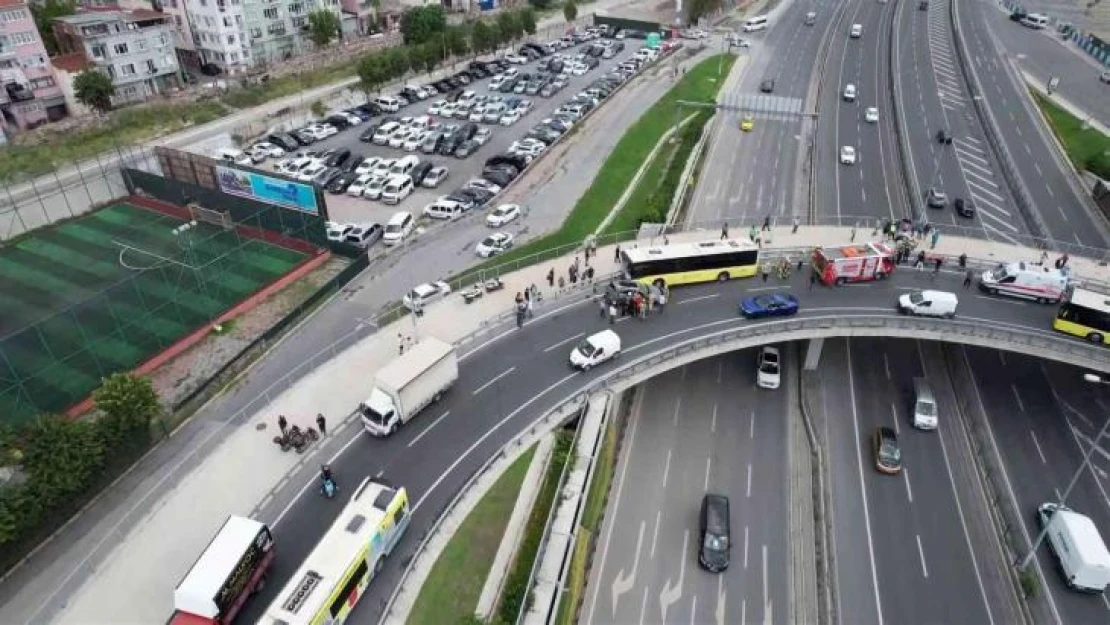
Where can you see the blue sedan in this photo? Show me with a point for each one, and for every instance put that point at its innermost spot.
(770, 305)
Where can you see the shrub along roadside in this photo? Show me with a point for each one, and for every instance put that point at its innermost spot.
(61, 464)
(515, 594)
(451, 591)
(699, 84)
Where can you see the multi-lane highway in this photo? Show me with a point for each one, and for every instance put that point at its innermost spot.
(1055, 195)
(749, 176)
(702, 428)
(901, 542)
(1044, 417)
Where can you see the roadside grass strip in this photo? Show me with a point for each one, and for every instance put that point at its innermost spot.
(450, 594)
(1086, 147)
(698, 84)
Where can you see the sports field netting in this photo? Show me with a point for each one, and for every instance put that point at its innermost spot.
(107, 291)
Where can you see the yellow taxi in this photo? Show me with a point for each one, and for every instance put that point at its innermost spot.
(747, 123)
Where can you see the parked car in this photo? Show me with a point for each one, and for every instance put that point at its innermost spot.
(423, 294)
(364, 235)
(502, 215)
(434, 177)
(494, 244)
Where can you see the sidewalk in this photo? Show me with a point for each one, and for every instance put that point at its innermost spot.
(103, 588)
(1059, 100)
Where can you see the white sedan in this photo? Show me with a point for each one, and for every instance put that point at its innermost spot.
(436, 107)
(424, 294)
(510, 117)
(494, 244)
(502, 215)
(412, 144)
(336, 232)
(398, 138)
(360, 184)
(847, 155)
(768, 368)
(871, 115)
(268, 149)
(482, 183)
(516, 59)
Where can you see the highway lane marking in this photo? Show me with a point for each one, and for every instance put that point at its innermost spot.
(693, 609)
(491, 382)
(713, 422)
(749, 491)
(489, 432)
(643, 606)
(721, 597)
(720, 370)
(751, 426)
(1037, 444)
(708, 468)
(886, 366)
(419, 436)
(974, 158)
(986, 177)
(623, 583)
(549, 313)
(894, 417)
(1002, 222)
(763, 288)
(1038, 168)
(745, 546)
(565, 341)
(984, 190)
(1060, 208)
(699, 298)
(744, 612)
(1001, 234)
(654, 535)
(1017, 396)
(906, 476)
(1003, 300)
(678, 401)
(766, 592)
(635, 418)
(921, 554)
(672, 594)
(863, 487)
(667, 468)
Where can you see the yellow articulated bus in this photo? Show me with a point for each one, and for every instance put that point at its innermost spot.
(688, 263)
(1086, 314)
(352, 552)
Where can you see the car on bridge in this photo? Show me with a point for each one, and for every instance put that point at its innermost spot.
(770, 305)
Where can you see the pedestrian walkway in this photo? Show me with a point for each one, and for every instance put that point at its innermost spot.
(119, 584)
(1063, 103)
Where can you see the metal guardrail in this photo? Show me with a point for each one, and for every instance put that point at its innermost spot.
(905, 168)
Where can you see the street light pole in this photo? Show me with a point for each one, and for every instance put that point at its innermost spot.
(1074, 478)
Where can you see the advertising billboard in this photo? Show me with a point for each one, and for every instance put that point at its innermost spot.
(266, 189)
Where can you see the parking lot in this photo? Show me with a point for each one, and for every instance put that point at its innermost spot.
(345, 208)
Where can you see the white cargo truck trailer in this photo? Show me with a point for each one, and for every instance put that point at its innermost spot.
(407, 385)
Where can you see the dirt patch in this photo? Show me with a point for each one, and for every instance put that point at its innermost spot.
(185, 373)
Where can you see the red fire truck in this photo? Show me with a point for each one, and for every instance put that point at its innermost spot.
(853, 263)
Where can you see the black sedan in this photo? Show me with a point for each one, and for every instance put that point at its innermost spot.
(340, 183)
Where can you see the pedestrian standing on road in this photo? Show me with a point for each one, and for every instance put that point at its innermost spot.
(812, 278)
(724, 231)
(282, 424)
(920, 263)
(577, 264)
(400, 344)
(603, 305)
(662, 301)
(562, 283)
(801, 263)
(794, 230)
(551, 277)
(936, 265)
(752, 232)
(766, 270)
(1044, 257)
(321, 424)
(529, 300)
(935, 238)
(408, 342)
(963, 261)
(968, 278)
(853, 238)
(766, 224)
(612, 313)
(617, 255)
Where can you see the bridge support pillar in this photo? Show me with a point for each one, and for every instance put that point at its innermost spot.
(813, 354)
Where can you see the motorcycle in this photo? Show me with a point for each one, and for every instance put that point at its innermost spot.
(296, 439)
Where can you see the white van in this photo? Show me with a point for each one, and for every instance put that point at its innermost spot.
(595, 349)
(1035, 20)
(396, 189)
(382, 134)
(388, 103)
(849, 92)
(1043, 284)
(856, 32)
(929, 303)
(444, 209)
(924, 405)
(758, 22)
(404, 166)
(400, 226)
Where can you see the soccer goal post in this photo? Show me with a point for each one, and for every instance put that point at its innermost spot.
(211, 215)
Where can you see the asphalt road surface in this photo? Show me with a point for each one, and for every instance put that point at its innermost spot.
(748, 176)
(900, 544)
(1035, 156)
(704, 427)
(1044, 417)
(869, 189)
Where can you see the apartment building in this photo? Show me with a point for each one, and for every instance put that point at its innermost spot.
(29, 92)
(219, 34)
(133, 47)
(278, 30)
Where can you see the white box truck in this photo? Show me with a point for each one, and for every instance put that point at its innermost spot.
(1078, 547)
(407, 385)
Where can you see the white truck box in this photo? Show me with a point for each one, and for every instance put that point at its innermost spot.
(1074, 539)
(405, 386)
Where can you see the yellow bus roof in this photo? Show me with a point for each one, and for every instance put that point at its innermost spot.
(687, 250)
(1090, 299)
(347, 540)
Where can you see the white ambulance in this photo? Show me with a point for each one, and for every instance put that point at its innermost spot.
(1037, 282)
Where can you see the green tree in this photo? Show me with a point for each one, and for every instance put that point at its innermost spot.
(372, 73)
(62, 457)
(542, 5)
(528, 20)
(94, 89)
(697, 9)
(419, 24)
(497, 36)
(433, 56)
(570, 11)
(482, 37)
(398, 62)
(319, 108)
(323, 27)
(45, 13)
(458, 40)
(129, 404)
(509, 25)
